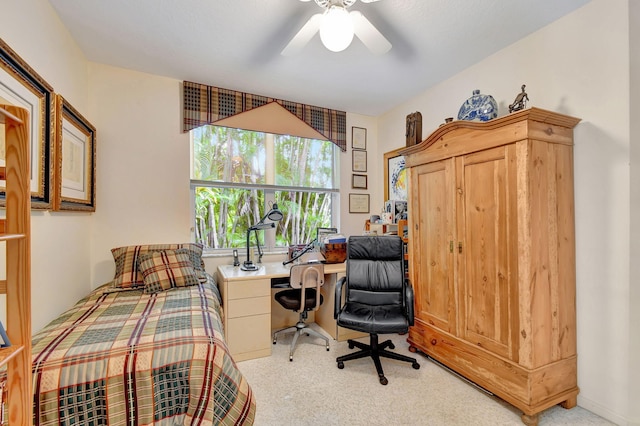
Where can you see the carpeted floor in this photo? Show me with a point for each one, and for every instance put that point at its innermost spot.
(311, 390)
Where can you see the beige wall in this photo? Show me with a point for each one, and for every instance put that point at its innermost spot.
(579, 66)
(61, 242)
(143, 164)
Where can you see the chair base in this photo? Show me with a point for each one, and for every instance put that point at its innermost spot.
(300, 328)
(375, 350)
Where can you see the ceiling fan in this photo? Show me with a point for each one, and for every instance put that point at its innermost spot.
(337, 26)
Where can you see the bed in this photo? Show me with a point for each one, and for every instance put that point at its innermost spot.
(130, 353)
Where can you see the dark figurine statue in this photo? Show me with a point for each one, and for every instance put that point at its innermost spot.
(520, 102)
(414, 128)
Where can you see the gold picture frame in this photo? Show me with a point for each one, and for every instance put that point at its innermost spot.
(75, 172)
(21, 86)
(395, 178)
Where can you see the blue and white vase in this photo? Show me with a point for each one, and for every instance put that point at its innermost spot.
(478, 108)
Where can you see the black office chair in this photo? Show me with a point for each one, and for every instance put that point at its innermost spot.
(305, 281)
(378, 298)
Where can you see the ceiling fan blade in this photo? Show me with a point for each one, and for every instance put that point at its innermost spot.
(303, 36)
(363, 1)
(368, 34)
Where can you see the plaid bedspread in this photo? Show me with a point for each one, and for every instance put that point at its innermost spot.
(130, 358)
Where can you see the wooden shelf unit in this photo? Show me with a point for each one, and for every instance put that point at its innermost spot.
(15, 233)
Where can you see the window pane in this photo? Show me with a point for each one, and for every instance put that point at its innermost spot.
(223, 215)
(303, 162)
(303, 213)
(228, 155)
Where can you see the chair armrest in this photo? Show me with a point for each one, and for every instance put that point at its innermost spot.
(409, 302)
(338, 301)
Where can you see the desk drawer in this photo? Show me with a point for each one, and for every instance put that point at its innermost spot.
(249, 288)
(249, 306)
(250, 334)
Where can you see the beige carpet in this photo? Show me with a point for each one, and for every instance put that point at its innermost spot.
(311, 390)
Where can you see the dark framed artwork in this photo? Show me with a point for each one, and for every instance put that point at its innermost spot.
(21, 86)
(75, 169)
(359, 161)
(358, 203)
(358, 138)
(358, 181)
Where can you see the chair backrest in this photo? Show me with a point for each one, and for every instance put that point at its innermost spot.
(375, 270)
(307, 275)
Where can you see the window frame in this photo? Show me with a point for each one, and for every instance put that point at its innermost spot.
(269, 246)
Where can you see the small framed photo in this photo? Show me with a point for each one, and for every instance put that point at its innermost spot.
(358, 203)
(358, 138)
(358, 181)
(359, 163)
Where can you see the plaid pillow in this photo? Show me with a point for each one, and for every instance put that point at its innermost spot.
(128, 276)
(164, 270)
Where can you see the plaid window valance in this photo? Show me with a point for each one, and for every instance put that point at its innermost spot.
(207, 104)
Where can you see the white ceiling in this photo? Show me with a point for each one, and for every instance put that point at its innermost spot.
(236, 44)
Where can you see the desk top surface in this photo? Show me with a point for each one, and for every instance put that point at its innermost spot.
(270, 270)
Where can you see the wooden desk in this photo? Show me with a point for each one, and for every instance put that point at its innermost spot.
(250, 312)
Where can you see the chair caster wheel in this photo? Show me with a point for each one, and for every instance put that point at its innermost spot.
(327, 348)
(340, 365)
(274, 341)
(415, 365)
(351, 345)
(392, 346)
(383, 380)
(290, 359)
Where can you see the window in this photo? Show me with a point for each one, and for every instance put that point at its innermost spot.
(237, 175)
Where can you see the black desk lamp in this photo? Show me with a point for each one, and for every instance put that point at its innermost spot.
(274, 215)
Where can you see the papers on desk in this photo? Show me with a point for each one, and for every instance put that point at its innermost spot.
(333, 239)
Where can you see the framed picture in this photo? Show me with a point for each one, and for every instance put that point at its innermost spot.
(358, 203)
(358, 138)
(359, 181)
(395, 176)
(75, 171)
(22, 86)
(359, 163)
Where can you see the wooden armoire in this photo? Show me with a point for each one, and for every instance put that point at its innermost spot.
(492, 255)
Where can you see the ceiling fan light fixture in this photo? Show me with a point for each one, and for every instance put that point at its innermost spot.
(336, 30)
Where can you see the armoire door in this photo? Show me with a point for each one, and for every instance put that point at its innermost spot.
(487, 249)
(433, 223)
